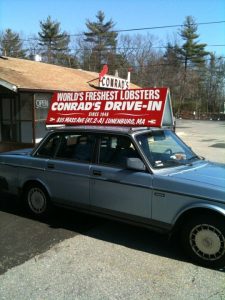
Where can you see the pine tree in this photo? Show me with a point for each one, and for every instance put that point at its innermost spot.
(191, 51)
(102, 40)
(54, 42)
(192, 54)
(11, 44)
(171, 55)
(214, 84)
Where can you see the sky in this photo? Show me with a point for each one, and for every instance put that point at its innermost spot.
(24, 16)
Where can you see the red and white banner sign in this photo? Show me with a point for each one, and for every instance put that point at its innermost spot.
(139, 107)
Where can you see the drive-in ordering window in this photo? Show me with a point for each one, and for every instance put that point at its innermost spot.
(41, 101)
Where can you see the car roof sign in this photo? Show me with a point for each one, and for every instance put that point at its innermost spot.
(149, 107)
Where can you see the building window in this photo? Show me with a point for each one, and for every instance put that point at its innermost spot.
(42, 103)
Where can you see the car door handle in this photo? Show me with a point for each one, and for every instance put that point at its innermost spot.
(97, 173)
(51, 166)
(157, 194)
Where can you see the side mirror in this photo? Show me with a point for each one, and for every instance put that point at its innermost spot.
(135, 163)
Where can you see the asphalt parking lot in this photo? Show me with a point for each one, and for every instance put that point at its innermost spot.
(74, 256)
(206, 138)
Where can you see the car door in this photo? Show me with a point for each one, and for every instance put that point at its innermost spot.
(116, 189)
(68, 167)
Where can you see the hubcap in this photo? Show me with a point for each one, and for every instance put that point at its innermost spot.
(207, 242)
(37, 200)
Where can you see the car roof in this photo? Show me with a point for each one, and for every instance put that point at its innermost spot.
(104, 129)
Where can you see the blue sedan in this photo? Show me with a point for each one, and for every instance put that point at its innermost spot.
(145, 176)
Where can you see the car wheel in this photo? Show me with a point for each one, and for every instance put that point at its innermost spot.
(37, 200)
(203, 239)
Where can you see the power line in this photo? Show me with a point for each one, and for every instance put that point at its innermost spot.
(127, 30)
(147, 65)
(109, 49)
(153, 65)
(168, 26)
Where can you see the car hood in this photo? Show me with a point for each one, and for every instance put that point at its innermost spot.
(209, 173)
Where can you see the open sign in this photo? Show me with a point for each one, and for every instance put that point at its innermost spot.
(41, 103)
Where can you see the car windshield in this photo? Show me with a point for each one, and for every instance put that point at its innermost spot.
(164, 149)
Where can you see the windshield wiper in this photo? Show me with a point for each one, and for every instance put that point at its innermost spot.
(177, 162)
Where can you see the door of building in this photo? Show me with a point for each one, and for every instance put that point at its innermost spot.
(8, 120)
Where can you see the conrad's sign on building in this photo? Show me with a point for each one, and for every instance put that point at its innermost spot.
(113, 82)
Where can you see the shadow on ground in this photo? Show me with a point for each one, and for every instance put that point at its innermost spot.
(22, 237)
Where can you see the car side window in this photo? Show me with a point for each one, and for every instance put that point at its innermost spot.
(76, 146)
(50, 147)
(114, 150)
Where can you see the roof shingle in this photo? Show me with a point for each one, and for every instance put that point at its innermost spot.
(32, 75)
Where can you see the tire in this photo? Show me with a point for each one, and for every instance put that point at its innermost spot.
(37, 200)
(203, 239)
